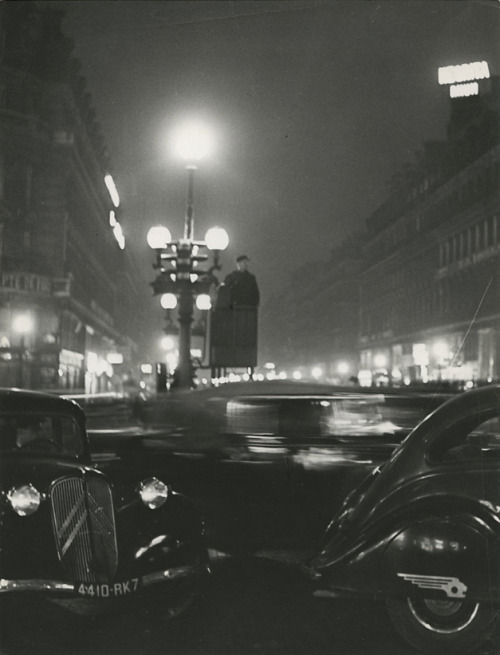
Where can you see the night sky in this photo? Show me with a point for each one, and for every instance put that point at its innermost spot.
(314, 106)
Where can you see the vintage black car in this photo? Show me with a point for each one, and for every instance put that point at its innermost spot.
(423, 532)
(71, 533)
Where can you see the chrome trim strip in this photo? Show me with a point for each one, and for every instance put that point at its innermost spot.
(71, 537)
(35, 585)
(57, 586)
(175, 573)
(443, 631)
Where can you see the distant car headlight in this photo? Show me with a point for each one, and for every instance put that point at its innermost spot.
(25, 500)
(153, 492)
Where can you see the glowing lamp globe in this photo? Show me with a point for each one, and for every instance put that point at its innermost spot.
(216, 238)
(167, 343)
(203, 301)
(193, 141)
(158, 237)
(168, 301)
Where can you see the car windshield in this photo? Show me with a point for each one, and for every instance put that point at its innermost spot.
(40, 433)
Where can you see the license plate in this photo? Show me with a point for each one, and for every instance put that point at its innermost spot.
(112, 590)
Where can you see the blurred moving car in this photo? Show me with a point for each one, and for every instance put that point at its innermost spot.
(277, 457)
(258, 420)
(423, 532)
(341, 428)
(69, 532)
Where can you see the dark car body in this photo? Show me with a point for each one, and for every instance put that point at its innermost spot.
(424, 531)
(69, 531)
(266, 420)
(271, 461)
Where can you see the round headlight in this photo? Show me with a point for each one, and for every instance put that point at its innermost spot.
(153, 492)
(25, 499)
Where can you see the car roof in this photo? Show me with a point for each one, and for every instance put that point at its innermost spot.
(299, 388)
(409, 461)
(21, 400)
(474, 403)
(469, 403)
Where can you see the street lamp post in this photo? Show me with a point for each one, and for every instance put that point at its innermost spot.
(178, 261)
(23, 325)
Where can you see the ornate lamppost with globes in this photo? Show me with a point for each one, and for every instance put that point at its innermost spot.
(181, 280)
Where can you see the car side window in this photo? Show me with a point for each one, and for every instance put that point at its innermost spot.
(34, 432)
(252, 416)
(480, 444)
(39, 433)
(301, 418)
(293, 418)
(8, 433)
(360, 417)
(70, 436)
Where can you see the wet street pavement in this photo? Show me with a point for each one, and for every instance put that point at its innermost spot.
(252, 606)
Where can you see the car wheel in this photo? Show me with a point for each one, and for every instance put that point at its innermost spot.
(442, 626)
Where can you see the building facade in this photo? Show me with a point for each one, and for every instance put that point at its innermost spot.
(430, 287)
(415, 298)
(69, 291)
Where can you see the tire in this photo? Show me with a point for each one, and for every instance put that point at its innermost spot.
(442, 626)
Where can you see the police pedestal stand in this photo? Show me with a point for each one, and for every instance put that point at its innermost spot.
(233, 338)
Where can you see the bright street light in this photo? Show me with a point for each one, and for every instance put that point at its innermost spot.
(168, 301)
(216, 238)
(317, 372)
(167, 343)
(158, 237)
(22, 323)
(203, 302)
(193, 141)
(440, 350)
(181, 280)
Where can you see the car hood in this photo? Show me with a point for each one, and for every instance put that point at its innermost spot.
(39, 471)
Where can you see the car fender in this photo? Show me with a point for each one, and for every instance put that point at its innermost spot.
(179, 515)
(154, 534)
(457, 556)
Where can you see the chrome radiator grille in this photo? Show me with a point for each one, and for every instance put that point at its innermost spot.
(84, 528)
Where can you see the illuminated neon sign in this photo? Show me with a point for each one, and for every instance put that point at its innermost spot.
(110, 183)
(463, 78)
(478, 70)
(464, 90)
